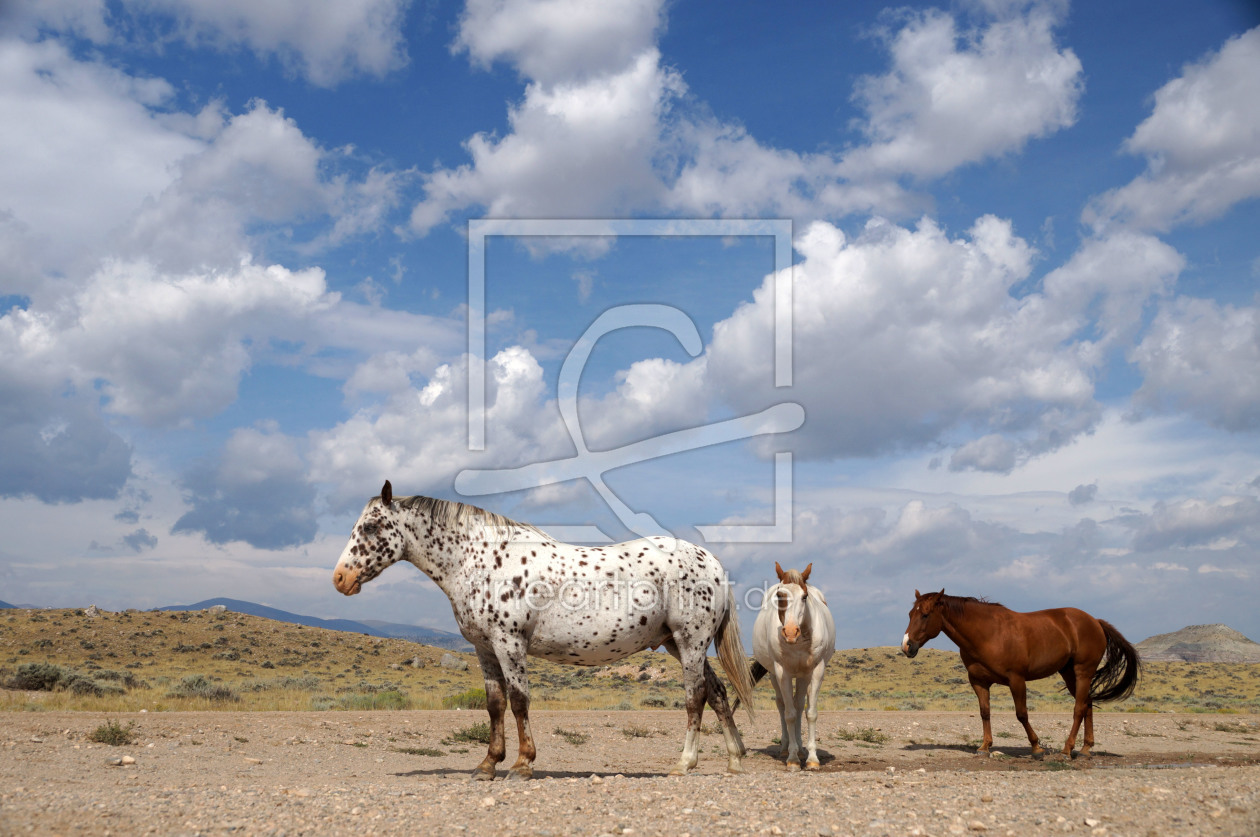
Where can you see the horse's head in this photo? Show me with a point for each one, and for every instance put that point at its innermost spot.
(790, 598)
(375, 543)
(926, 620)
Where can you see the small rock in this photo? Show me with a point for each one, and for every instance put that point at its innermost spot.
(450, 661)
(986, 798)
(127, 760)
(248, 760)
(487, 802)
(1091, 822)
(596, 780)
(115, 762)
(976, 825)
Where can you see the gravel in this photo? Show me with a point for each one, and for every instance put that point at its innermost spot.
(361, 773)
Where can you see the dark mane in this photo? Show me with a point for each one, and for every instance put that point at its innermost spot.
(451, 514)
(954, 604)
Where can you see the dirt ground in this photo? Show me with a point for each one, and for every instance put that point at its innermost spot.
(604, 772)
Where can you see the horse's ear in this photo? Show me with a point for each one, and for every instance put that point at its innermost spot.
(778, 571)
(387, 494)
(805, 575)
(917, 594)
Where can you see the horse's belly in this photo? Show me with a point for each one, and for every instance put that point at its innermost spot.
(572, 642)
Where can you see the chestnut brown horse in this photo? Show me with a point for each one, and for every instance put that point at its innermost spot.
(1002, 646)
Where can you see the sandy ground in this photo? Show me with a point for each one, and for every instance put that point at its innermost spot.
(349, 773)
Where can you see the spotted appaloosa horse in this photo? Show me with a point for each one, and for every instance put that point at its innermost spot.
(516, 591)
(1009, 648)
(793, 640)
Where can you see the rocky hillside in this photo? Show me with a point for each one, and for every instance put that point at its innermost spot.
(1200, 644)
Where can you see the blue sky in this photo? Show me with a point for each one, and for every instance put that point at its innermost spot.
(1025, 332)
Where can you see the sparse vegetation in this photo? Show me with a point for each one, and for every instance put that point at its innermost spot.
(419, 751)
(470, 699)
(478, 733)
(113, 733)
(577, 739)
(870, 735)
(56, 660)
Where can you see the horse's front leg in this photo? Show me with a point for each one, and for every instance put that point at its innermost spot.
(791, 717)
(512, 658)
(496, 704)
(811, 718)
(1019, 693)
(982, 694)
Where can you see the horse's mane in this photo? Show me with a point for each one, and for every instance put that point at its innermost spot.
(452, 514)
(954, 604)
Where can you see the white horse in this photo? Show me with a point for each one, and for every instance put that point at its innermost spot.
(793, 639)
(516, 591)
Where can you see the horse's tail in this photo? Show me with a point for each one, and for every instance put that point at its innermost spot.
(730, 650)
(1118, 675)
(758, 671)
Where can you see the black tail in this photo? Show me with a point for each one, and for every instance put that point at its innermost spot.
(758, 671)
(1118, 675)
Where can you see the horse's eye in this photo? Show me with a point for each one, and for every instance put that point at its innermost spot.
(369, 529)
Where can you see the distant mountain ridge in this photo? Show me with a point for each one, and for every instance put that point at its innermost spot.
(373, 627)
(1200, 644)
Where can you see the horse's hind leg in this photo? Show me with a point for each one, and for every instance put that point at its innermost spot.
(513, 662)
(693, 663)
(1078, 679)
(496, 703)
(716, 696)
(779, 702)
(1019, 693)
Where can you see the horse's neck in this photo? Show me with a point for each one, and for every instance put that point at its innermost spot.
(436, 549)
(964, 628)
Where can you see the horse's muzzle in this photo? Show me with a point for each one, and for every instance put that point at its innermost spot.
(346, 581)
(909, 647)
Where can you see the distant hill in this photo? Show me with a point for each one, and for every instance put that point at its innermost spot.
(415, 633)
(1200, 644)
(427, 636)
(4, 605)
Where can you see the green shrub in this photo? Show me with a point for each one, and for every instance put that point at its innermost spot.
(37, 677)
(478, 733)
(200, 686)
(114, 733)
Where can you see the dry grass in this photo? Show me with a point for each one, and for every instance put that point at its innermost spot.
(203, 660)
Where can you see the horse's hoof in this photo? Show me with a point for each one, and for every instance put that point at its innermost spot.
(984, 752)
(521, 773)
(793, 766)
(812, 765)
(733, 766)
(482, 776)
(678, 771)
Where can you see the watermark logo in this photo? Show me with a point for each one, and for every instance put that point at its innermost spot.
(592, 465)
